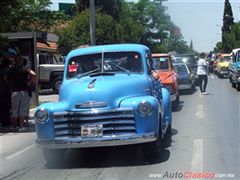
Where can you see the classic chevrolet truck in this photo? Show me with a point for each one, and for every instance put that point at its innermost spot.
(108, 98)
(234, 69)
(222, 65)
(163, 65)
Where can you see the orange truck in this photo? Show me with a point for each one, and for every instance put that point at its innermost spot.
(163, 66)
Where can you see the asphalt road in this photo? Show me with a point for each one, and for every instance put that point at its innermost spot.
(205, 138)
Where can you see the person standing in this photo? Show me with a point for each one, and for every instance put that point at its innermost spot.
(21, 78)
(202, 72)
(5, 95)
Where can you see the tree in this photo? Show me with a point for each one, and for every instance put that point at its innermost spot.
(191, 44)
(218, 48)
(233, 38)
(110, 7)
(28, 15)
(227, 23)
(77, 32)
(145, 22)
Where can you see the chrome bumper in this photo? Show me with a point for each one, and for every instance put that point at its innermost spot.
(80, 142)
(223, 72)
(184, 86)
(173, 97)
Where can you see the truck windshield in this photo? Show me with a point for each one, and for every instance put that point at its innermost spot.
(188, 59)
(238, 57)
(114, 62)
(181, 68)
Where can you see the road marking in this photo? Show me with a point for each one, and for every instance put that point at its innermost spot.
(197, 158)
(20, 152)
(200, 113)
(1, 159)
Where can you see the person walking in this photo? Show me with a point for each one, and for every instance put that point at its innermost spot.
(21, 79)
(202, 72)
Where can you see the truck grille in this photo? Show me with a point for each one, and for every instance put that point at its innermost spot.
(224, 68)
(115, 122)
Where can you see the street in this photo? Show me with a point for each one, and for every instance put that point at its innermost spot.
(205, 138)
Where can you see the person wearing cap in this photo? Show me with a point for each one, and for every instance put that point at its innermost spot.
(21, 78)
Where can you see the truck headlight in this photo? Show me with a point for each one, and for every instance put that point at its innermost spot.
(145, 108)
(41, 116)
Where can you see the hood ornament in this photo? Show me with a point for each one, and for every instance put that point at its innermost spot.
(91, 84)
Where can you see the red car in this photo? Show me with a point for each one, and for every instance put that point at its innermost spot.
(163, 66)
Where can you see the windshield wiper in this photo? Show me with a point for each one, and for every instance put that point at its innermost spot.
(102, 73)
(120, 67)
(87, 73)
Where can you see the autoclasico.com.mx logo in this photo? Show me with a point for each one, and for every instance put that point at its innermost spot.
(192, 175)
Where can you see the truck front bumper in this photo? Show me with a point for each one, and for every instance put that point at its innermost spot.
(184, 86)
(173, 97)
(66, 143)
(223, 72)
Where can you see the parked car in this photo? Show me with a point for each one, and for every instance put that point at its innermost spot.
(162, 64)
(222, 64)
(234, 69)
(191, 62)
(186, 77)
(189, 59)
(113, 102)
(50, 71)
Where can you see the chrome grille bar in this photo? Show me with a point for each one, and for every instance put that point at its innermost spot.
(115, 122)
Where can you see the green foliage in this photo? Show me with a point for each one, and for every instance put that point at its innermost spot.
(3, 43)
(232, 38)
(77, 33)
(226, 29)
(227, 17)
(110, 7)
(218, 48)
(118, 21)
(28, 15)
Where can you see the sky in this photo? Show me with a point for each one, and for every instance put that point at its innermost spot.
(199, 20)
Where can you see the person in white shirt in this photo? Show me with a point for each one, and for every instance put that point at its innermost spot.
(202, 72)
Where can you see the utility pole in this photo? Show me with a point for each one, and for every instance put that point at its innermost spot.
(92, 22)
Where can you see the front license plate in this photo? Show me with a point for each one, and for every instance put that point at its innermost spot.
(91, 131)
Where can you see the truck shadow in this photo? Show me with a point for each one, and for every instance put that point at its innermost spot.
(121, 156)
(108, 157)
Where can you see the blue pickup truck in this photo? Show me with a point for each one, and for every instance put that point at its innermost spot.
(108, 98)
(234, 69)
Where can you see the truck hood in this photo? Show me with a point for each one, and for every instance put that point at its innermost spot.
(223, 64)
(102, 91)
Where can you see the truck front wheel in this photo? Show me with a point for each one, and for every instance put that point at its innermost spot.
(176, 103)
(56, 84)
(153, 149)
(238, 86)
